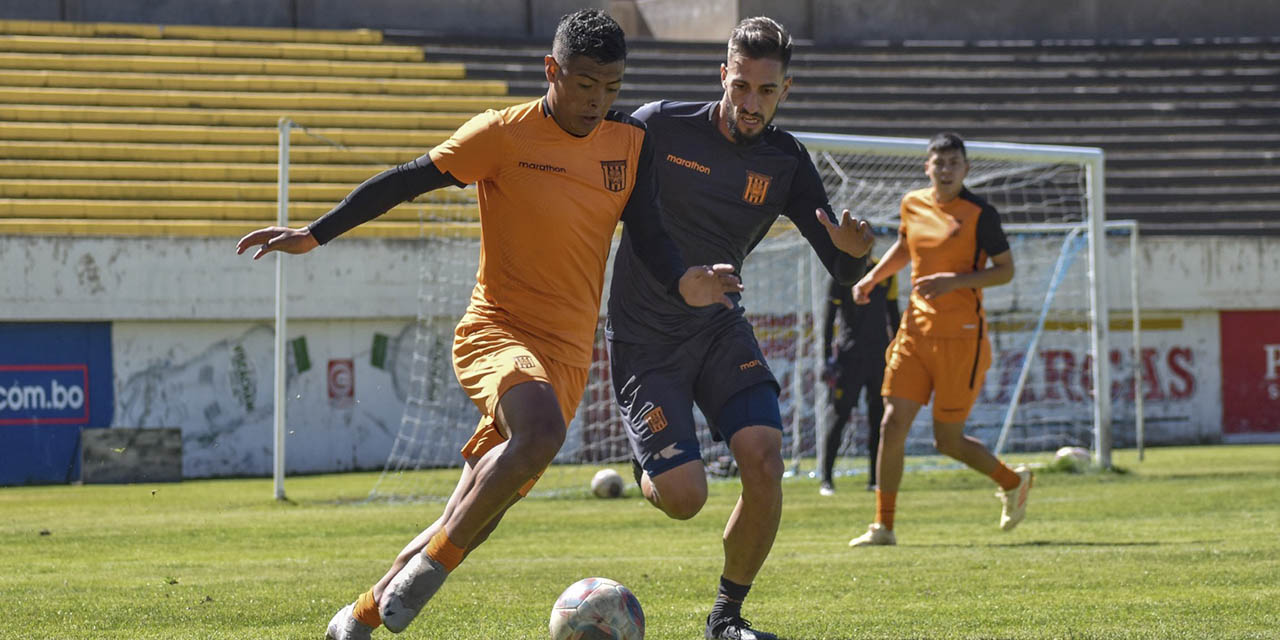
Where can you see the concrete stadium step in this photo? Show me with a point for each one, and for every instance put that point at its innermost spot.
(179, 189)
(1047, 130)
(1194, 211)
(1176, 192)
(807, 58)
(285, 102)
(227, 153)
(260, 212)
(1161, 142)
(249, 83)
(230, 229)
(809, 105)
(224, 66)
(231, 117)
(939, 78)
(216, 172)
(185, 31)
(985, 89)
(1195, 175)
(209, 48)
(180, 134)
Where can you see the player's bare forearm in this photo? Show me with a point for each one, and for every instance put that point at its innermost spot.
(937, 284)
(893, 261)
(993, 276)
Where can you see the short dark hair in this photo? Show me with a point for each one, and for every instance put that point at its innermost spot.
(761, 37)
(591, 33)
(947, 141)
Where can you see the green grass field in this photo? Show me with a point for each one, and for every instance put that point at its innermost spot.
(1183, 545)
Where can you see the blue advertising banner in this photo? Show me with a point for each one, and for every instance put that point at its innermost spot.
(55, 379)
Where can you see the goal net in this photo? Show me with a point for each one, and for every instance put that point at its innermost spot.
(1071, 267)
(1074, 282)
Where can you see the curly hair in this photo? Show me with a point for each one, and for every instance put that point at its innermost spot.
(591, 33)
(761, 37)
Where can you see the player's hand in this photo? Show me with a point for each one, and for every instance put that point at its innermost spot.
(862, 291)
(707, 285)
(935, 285)
(277, 239)
(851, 235)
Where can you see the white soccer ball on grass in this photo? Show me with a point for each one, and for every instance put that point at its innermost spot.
(607, 484)
(597, 609)
(1073, 458)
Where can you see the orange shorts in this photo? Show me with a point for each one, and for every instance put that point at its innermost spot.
(950, 369)
(489, 358)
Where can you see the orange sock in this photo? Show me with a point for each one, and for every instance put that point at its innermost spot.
(885, 501)
(441, 549)
(1005, 477)
(366, 610)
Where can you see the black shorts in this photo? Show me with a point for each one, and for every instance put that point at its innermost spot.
(656, 387)
(854, 374)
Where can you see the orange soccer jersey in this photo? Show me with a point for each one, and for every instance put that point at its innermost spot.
(941, 348)
(549, 204)
(958, 237)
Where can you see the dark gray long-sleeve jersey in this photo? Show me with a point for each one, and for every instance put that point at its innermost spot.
(719, 199)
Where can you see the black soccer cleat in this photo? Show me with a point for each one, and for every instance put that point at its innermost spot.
(734, 628)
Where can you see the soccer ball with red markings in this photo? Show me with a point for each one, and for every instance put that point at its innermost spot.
(597, 609)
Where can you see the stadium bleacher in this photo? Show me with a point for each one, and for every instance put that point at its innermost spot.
(123, 129)
(1191, 128)
(160, 130)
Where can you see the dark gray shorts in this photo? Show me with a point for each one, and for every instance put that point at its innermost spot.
(656, 387)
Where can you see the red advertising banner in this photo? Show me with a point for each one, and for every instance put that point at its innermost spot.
(1250, 372)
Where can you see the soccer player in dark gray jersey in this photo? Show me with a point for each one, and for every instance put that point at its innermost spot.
(721, 199)
(726, 175)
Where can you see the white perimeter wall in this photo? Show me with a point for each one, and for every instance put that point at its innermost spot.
(192, 336)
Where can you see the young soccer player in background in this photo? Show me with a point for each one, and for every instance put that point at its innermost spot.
(947, 235)
(555, 176)
(727, 175)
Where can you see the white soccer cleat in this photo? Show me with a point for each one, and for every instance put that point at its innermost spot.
(410, 591)
(1015, 500)
(826, 489)
(876, 535)
(344, 626)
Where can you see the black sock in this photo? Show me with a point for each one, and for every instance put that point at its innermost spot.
(729, 600)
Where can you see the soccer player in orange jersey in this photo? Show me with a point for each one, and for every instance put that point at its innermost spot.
(563, 169)
(947, 235)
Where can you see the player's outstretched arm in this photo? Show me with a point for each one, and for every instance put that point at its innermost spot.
(374, 197)
(893, 260)
(284, 239)
(706, 285)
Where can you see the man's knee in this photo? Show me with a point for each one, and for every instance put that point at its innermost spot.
(681, 492)
(760, 463)
(681, 505)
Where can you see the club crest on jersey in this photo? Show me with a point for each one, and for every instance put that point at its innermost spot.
(615, 174)
(757, 187)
